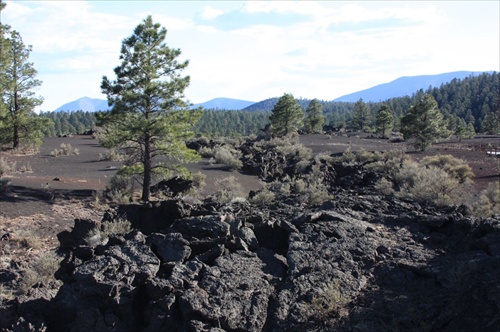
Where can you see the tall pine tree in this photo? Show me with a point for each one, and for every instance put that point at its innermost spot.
(18, 121)
(150, 116)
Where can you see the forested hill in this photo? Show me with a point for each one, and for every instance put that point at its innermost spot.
(405, 86)
(475, 100)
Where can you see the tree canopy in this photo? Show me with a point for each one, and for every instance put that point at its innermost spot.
(286, 116)
(150, 117)
(424, 123)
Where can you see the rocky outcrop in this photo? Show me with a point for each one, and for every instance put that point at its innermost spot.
(359, 262)
(363, 263)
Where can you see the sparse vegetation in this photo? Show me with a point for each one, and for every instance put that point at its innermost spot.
(428, 181)
(327, 303)
(41, 272)
(228, 189)
(263, 197)
(228, 156)
(111, 155)
(65, 150)
(488, 203)
(120, 189)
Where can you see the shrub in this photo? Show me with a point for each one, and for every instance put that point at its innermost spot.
(299, 186)
(6, 294)
(206, 152)
(428, 185)
(293, 149)
(288, 146)
(451, 165)
(65, 150)
(367, 156)
(488, 203)
(228, 189)
(7, 166)
(28, 239)
(384, 187)
(318, 194)
(111, 155)
(263, 197)
(281, 187)
(327, 303)
(348, 156)
(41, 272)
(228, 157)
(117, 227)
(120, 189)
(26, 168)
(198, 179)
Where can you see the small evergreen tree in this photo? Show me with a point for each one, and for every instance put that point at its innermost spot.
(361, 116)
(384, 121)
(471, 132)
(314, 117)
(424, 123)
(286, 116)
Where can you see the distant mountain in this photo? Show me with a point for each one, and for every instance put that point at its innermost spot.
(405, 86)
(225, 104)
(264, 105)
(85, 104)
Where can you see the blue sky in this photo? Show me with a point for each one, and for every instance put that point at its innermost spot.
(255, 50)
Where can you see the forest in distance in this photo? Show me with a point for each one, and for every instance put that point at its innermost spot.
(473, 102)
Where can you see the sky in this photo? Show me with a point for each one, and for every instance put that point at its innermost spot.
(254, 50)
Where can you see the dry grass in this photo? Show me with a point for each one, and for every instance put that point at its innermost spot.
(65, 150)
(40, 272)
(228, 190)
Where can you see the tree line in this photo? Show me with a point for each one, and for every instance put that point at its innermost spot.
(469, 105)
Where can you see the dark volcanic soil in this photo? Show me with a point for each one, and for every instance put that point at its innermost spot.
(60, 189)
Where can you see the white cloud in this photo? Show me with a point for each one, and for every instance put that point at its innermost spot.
(312, 49)
(210, 13)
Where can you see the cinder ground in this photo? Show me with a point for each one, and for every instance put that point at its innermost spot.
(47, 200)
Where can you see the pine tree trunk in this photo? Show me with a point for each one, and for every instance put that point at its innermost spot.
(15, 133)
(147, 170)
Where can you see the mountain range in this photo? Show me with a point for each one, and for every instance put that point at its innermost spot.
(403, 86)
(406, 86)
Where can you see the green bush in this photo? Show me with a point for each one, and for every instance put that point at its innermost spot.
(263, 197)
(384, 187)
(228, 157)
(120, 189)
(428, 185)
(451, 165)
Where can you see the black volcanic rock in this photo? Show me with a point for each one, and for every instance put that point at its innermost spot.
(358, 262)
